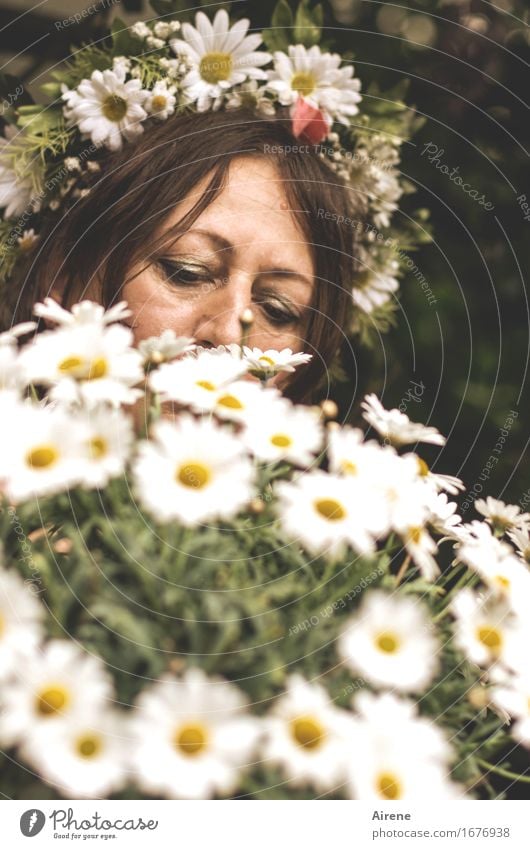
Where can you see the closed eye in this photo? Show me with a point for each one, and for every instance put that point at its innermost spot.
(184, 273)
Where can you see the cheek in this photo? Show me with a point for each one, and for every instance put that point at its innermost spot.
(155, 309)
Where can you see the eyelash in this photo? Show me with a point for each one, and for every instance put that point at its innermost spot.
(279, 315)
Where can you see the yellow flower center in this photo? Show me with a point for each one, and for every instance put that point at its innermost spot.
(193, 475)
(88, 746)
(281, 440)
(158, 103)
(51, 700)
(303, 82)
(266, 360)
(97, 447)
(414, 535)
(388, 786)
(98, 368)
(502, 581)
(71, 364)
(307, 732)
(114, 108)
(215, 67)
(80, 369)
(206, 384)
(231, 402)
(42, 457)
(423, 467)
(191, 740)
(330, 509)
(490, 637)
(387, 642)
(348, 467)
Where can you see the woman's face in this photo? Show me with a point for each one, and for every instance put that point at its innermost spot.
(244, 250)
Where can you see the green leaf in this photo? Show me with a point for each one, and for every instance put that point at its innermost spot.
(279, 36)
(282, 17)
(51, 90)
(308, 24)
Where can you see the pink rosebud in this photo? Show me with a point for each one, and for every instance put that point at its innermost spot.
(309, 123)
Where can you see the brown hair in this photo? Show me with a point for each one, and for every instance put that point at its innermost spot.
(114, 226)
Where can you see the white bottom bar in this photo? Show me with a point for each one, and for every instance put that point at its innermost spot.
(265, 825)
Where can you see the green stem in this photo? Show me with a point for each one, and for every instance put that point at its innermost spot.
(504, 772)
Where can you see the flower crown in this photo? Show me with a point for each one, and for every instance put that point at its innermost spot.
(106, 95)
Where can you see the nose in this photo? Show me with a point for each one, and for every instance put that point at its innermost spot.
(219, 311)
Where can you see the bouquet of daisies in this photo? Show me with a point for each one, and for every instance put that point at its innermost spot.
(209, 591)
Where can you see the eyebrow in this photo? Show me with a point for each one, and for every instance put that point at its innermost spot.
(224, 245)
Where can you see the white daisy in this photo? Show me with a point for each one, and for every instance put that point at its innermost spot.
(520, 537)
(380, 772)
(280, 430)
(514, 698)
(306, 736)
(11, 375)
(39, 452)
(156, 350)
(505, 576)
(396, 426)
(21, 616)
(85, 361)
(243, 400)
(395, 754)
(373, 171)
(220, 57)
(421, 547)
(85, 758)
(399, 496)
(390, 643)
(107, 109)
(161, 101)
(197, 380)
(85, 312)
(448, 483)
(502, 516)
(442, 514)
(56, 685)
(326, 513)
(192, 737)
(193, 471)
(265, 364)
(316, 78)
(349, 454)
(374, 286)
(15, 190)
(105, 442)
(486, 628)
